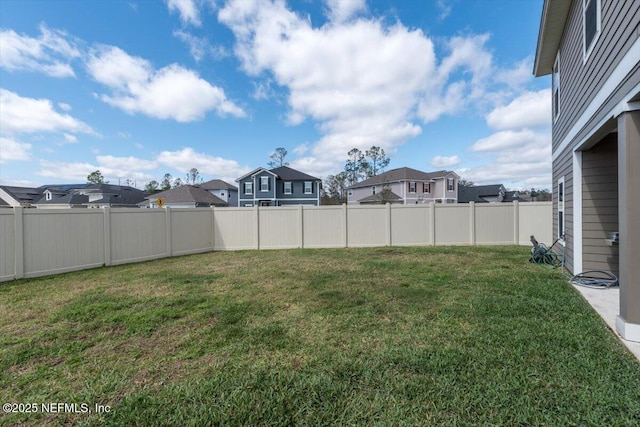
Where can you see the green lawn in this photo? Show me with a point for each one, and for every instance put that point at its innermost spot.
(383, 336)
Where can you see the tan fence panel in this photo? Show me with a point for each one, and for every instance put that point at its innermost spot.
(536, 219)
(7, 245)
(453, 224)
(410, 225)
(324, 226)
(280, 227)
(138, 235)
(235, 229)
(57, 241)
(494, 223)
(367, 226)
(191, 231)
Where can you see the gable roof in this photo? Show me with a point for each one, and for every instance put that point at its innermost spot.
(189, 194)
(377, 198)
(67, 199)
(115, 194)
(402, 174)
(289, 174)
(283, 172)
(21, 195)
(477, 193)
(217, 184)
(552, 23)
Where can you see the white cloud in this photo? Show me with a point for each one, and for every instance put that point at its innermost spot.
(186, 158)
(125, 163)
(28, 115)
(198, 46)
(301, 149)
(50, 53)
(11, 149)
(112, 168)
(341, 10)
(531, 109)
(64, 107)
(187, 9)
(70, 138)
(444, 6)
(444, 162)
(509, 140)
(172, 92)
(518, 75)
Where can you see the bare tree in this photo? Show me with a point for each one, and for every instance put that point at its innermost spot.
(377, 160)
(277, 158)
(193, 177)
(356, 167)
(167, 179)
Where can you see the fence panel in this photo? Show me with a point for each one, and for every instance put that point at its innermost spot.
(536, 218)
(324, 227)
(279, 227)
(56, 241)
(138, 235)
(235, 229)
(453, 224)
(410, 225)
(191, 231)
(367, 226)
(7, 245)
(494, 223)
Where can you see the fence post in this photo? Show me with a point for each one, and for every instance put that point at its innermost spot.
(256, 236)
(167, 216)
(388, 208)
(300, 227)
(345, 223)
(472, 217)
(213, 228)
(432, 223)
(18, 242)
(516, 222)
(106, 216)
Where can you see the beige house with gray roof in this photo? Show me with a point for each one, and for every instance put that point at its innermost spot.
(406, 186)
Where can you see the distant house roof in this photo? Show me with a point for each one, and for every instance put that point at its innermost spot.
(217, 184)
(189, 194)
(115, 195)
(63, 188)
(72, 199)
(402, 174)
(283, 172)
(289, 174)
(480, 193)
(379, 197)
(25, 196)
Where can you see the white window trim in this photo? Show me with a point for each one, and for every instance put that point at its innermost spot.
(310, 187)
(245, 187)
(415, 187)
(373, 190)
(262, 181)
(586, 52)
(561, 208)
(555, 111)
(453, 184)
(284, 190)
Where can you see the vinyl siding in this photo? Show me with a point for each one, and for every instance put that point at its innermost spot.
(581, 80)
(563, 167)
(600, 205)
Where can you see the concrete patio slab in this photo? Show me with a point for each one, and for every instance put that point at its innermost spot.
(606, 302)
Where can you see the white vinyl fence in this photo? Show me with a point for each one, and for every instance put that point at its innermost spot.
(38, 242)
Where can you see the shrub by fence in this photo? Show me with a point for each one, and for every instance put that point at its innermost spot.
(37, 242)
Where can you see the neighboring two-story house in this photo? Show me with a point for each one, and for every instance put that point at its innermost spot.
(278, 187)
(406, 186)
(591, 50)
(222, 190)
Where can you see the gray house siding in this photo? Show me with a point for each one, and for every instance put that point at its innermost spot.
(600, 205)
(297, 191)
(581, 80)
(563, 168)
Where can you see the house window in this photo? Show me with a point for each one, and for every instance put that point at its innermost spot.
(248, 188)
(222, 194)
(287, 187)
(373, 190)
(264, 184)
(308, 187)
(555, 87)
(451, 184)
(350, 192)
(590, 24)
(412, 187)
(561, 208)
(48, 195)
(427, 187)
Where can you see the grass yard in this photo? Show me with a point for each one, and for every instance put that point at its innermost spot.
(383, 336)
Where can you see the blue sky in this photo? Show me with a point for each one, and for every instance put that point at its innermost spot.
(138, 89)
